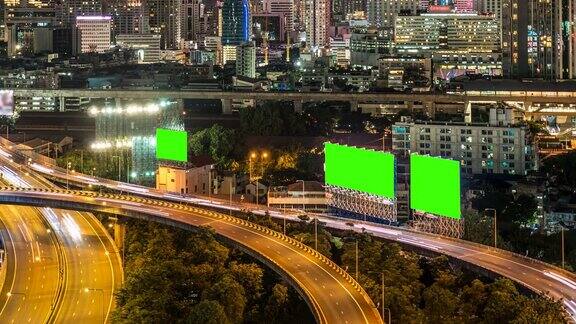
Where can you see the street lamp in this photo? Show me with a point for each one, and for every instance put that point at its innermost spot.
(253, 157)
(562, 228)
(495, 225)
(303, 195)
(87, 290)
(383, 298)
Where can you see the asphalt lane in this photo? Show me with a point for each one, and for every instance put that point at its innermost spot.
(338, 298)
(93, 269)
(31, 281)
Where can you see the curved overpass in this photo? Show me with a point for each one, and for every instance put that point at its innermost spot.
(530, 273)
(332, 294)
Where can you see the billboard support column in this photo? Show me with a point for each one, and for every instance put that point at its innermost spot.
(226, 106)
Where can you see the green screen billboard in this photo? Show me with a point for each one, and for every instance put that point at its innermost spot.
(435, 185)
(171, 145)
(358, 169)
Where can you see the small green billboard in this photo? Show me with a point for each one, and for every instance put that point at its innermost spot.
(171, 145)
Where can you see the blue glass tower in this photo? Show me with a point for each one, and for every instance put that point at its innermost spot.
(235, 22)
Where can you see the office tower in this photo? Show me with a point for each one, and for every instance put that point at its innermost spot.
(567, 61)
(285, 8)
(165, 21)
(381, 13)
(191, 14)
(352, 6)
(246, 60)
(534, 39)
(236, 22)
(428, 33)
(317, 21)
(490, 7)
(464, 6)
(28, 29)
(68, 10)
(146, 46)
(128, 17)
(94, 33)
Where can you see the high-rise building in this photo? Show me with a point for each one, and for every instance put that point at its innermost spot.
(94, 33)
(459, 33)
(165, 21)
(480, 148)
(236, 22)
(246, 60)
(68, 10)
(464, 5)
(190, 14)
(146, 46)
(285, 8)
(128, 17)
(28, 29)
(490, 7)
(382, 13)
(317, 21)
(534, 39)
(567, 59)
(352, 6)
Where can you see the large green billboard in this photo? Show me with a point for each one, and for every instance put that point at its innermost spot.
(435, 185)
(359, 169)
(171, 145)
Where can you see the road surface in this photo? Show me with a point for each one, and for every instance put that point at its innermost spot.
(537, 276)
(31, 283)
(333, 295)
(92, 269)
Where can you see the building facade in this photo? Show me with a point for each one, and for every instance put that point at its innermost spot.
(94, 33)
(481, 149)
(246, 60)
(147, 46)
(236, 22)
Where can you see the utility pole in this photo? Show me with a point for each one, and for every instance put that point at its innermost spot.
(495, 226)
(383, 298)
(357, 259)
(562, 235)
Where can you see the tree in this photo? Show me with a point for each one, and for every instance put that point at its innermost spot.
(207, 312)
(216, 142)
(277, 304)
(231, 295)
(478, 228)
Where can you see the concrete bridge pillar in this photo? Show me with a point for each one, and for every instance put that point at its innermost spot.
(467, 112)
(298, 103)
(226, 106)
(353, 105)
(119, 234)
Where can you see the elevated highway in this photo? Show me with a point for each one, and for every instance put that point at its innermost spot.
(86, 259)
(477, 96)
(535, 275)
(332, 294)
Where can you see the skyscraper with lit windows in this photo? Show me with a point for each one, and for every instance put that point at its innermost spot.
(235, 22)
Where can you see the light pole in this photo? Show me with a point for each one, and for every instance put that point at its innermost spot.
(68, 165)
(316, 234)
(102, 303)
(119, 166)
(495, 226)
(254, 156)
